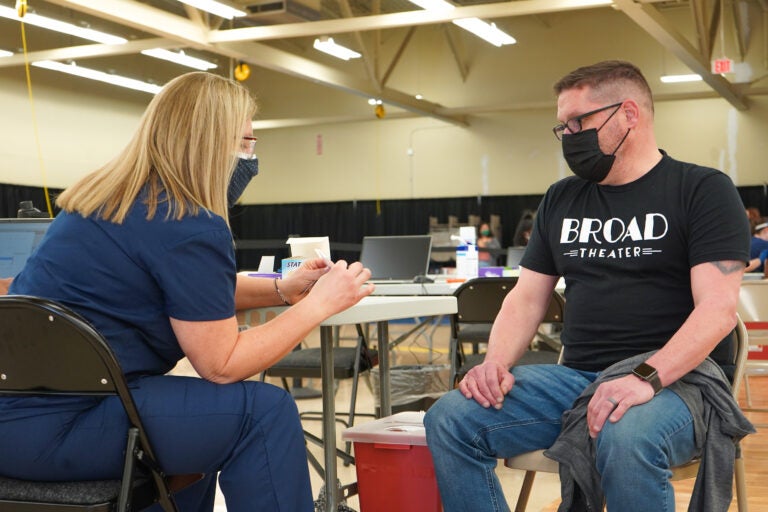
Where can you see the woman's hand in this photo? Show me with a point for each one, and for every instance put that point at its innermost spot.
(297, 284)
(341, 287)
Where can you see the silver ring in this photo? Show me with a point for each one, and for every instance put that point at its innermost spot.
(612, 400)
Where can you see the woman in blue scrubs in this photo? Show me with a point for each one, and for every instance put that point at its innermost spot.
(143, 250)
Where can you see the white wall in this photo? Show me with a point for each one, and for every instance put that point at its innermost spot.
(504, 153)
(76, 131)
(511, 153)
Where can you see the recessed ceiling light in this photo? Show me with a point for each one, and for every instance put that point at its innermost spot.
(482, 29)
(220, 9)
(122, 81)
(328, 45)
(179, 58)
(59, 26)
(676, 79)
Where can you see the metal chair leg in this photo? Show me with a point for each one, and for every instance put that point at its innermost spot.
(525, 491)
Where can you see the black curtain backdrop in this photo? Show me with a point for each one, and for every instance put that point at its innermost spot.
(12, 195)
(262, 229)
(347, 222)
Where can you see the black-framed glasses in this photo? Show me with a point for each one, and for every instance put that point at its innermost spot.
(248, 144)
(573, 125)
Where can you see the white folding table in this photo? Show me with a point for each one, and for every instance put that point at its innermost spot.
(372, 309)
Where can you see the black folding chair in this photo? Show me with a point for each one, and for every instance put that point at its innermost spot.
(47, 349)
(478, 302)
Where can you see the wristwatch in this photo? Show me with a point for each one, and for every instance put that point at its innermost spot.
(649, 374)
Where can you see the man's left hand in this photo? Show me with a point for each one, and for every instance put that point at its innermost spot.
(613, 398)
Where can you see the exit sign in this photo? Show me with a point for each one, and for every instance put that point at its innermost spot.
(720, 66)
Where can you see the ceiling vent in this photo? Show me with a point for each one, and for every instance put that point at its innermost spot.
(272, 12)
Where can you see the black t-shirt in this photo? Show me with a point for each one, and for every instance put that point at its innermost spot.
(626, 252)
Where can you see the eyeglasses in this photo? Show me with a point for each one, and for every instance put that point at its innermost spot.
(573, 125)
(248, 144)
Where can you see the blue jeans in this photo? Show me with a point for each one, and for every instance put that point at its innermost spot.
(633, 455)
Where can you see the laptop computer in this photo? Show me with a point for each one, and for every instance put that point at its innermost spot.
(18, 239)
(394, 259)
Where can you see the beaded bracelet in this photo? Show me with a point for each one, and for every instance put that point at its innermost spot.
(280, 294)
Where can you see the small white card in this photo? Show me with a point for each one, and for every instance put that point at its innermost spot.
(266, 265)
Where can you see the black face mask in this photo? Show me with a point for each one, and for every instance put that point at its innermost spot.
(245, 170)
(582, 152)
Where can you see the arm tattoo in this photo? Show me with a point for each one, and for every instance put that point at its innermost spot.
(729, 267)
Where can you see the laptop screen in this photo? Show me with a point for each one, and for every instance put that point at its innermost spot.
(18, 239)
(398, 258)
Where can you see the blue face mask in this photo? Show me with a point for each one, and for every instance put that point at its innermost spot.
(245, 170)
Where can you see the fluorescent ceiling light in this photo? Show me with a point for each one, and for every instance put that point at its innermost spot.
(329, 46)
(218, 8)
(434, 5)
(74, 69)
(676, 79)
(179, 58)
(59, 26)
(485, 30)
(482, 29)
(5, 53)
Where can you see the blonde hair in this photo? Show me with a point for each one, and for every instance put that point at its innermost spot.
(185, 146)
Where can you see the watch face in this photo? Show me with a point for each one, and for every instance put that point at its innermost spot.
(645, 371)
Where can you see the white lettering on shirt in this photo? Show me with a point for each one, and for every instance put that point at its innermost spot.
(612, 232)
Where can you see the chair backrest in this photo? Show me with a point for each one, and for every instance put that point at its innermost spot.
(753, 301)
(479, 300)
(47, 349)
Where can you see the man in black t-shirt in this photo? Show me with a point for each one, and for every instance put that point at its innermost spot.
(652, 251)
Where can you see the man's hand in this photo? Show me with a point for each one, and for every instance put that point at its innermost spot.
(487, 383)
(613, 398)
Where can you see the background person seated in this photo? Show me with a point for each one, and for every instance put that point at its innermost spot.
(486, 240)
(759, 244)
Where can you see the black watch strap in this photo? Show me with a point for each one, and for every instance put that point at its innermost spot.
(649, 374)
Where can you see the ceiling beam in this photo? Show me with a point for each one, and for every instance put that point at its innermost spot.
(368, 58)
(706, 26)
(267, 57)
(650, 20)
(155, 21)
(398, 55)
(454, 43)
(88, 51)
(402, 19)
(741, 27)
(141, 17)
